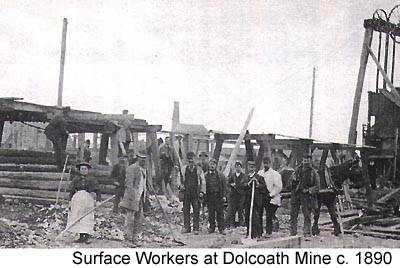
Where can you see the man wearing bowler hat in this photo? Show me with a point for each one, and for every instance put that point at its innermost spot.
(133, 200)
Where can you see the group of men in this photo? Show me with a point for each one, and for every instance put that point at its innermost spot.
(248, 194)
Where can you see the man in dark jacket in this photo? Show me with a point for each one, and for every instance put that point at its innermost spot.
(56, 132)
(193, 188)
(237, 183)
(118, 175)
(215, 196)
(305, 186)
(327, 196)
(259, 199)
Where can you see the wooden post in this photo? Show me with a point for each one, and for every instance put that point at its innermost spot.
(324, 156)
(81, 144)
(62, 62)
(114, 148)
(312, 105)
(95, 138)
(396, 140)
(103, 148)
(218, 147)
(334, 156)
(367, 182)
(150, 158)
(352, 139)
(249, 151)
(260, 155)
(154, 152)
(1, 131)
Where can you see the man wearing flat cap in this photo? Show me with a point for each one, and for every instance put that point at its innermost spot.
(305, 186)
(193, 186)
(260, 191)
(133, 200)
(84, 190)
(215, 196)
(237, 183)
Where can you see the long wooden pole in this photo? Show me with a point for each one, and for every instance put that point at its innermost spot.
(395, 156)
(238, 142)
(62, 62)
(312, 105)
(352, 139)
(83, 216)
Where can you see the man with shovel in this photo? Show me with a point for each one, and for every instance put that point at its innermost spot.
(255, 199)
(133, 200)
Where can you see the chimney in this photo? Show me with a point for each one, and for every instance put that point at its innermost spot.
(175, 115)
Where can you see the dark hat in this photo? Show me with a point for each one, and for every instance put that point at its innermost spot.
(123, 156)
(83, 164)
(141, 155)
(307, 156)
(203, 154)
(214, 160)
(267, 159)
(251, 162)
(238, 163)
(190, 155)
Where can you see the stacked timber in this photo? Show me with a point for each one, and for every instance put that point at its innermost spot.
(42, 187)
(29, 161)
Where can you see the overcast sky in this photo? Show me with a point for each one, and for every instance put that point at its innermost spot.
(218, 58)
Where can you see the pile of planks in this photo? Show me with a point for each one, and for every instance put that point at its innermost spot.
(41, 187)
(27, 160)
(381, 219)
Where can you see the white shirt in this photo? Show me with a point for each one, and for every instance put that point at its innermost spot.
(273, 181)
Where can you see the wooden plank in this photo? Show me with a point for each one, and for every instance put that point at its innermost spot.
(27, 160)
(352, 139)
(395, 193)
(373, 234)
(218, 148)
(235, 150)
(283, 242)
(47, 185)
(62, 62)
(348, 223)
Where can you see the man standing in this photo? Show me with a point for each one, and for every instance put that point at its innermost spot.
(237, 183)
(273, 182)
(215, 196)
(305, 185)
(260, 191)
(135, 191)
(87, 154)
(56, 131)
(118, 174)
(167, 163)
(193, 186)
(327, 196)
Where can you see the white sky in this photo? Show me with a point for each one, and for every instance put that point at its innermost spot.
(218, 58)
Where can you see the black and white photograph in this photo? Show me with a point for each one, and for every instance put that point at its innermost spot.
(187, 124)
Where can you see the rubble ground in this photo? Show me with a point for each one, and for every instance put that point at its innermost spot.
(25, 225)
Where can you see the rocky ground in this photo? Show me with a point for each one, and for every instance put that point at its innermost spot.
(36, 226)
